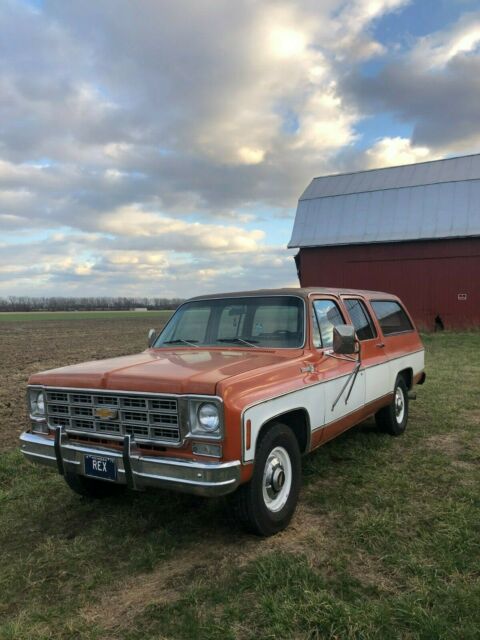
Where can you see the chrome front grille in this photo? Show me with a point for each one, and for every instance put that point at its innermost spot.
(143, 417)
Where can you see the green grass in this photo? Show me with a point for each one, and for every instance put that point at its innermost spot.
(386, 543)
(35, 316)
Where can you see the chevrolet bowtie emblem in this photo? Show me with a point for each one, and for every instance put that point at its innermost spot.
(106, 413)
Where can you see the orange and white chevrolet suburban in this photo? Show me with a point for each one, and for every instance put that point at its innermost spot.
(228, 397)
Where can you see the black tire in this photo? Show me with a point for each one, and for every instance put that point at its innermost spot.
(267, 513)
(91, 488)
(393, 419)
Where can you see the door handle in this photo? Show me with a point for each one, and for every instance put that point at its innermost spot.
(308, 369)
(380, 345)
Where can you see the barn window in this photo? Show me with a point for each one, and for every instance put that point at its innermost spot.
(391, 316)
(361, 319)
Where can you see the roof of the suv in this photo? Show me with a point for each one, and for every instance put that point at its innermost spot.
(304, 292)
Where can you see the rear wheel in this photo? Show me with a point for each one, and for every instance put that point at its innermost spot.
(266, 504)
(90, 488)
(393, 419)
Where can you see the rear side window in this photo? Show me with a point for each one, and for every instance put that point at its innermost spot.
(361, 319)
(391, 316)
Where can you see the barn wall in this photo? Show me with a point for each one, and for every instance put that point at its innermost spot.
(429, 276)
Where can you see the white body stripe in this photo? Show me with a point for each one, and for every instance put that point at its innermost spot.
(342, 408)
(377, 382)
(371, 383)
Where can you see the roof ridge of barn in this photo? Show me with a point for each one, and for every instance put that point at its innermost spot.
(426, 200)
(395, 166)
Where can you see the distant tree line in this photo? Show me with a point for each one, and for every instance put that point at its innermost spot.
(27, 303)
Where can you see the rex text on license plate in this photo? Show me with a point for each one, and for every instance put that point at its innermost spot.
(100, 467)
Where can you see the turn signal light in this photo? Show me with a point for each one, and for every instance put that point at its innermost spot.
(206, 449)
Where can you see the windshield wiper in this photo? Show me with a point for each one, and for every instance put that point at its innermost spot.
(191, 343)
(235, 339)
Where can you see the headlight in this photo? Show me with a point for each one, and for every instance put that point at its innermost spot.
(37, 402)
(205, 418)
(208, 416)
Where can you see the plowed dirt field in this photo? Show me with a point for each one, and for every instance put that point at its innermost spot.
(28, 347)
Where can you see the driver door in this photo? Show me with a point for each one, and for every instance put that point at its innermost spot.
(327, 313)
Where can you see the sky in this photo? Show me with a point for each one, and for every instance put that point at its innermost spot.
(158, 148)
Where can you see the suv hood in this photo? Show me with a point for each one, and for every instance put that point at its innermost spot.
(159, 371)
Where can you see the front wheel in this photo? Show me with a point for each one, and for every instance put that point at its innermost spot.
(266, 504)
(393, 419)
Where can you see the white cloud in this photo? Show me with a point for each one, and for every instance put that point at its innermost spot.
(351, 30)
(438, 49)
(362, 12)
(249, 155)
(325, 122)
(60, 265)
(180, 235)
(433, 87)
(395, 151)
(149, 149)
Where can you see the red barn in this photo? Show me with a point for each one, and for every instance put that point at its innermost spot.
(412, 230)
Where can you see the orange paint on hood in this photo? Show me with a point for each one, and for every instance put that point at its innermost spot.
(161, 371)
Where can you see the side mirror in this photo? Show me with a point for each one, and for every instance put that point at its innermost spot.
(344, 339)
(152, 336)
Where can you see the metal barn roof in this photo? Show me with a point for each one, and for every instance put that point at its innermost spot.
(429, 200)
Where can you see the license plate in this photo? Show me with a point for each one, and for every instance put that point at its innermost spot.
(100, 467)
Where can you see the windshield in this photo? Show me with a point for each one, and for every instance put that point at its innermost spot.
(270, 321)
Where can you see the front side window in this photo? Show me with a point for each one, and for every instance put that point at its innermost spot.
(263, 321)
(361, 320)
(391, 316)
(326, 316)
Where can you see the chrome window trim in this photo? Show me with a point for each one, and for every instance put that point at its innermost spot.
(270, 295)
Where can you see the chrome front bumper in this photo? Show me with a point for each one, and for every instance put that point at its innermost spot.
(133, 469)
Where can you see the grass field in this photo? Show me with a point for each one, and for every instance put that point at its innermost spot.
(35, 316)
(385, 543)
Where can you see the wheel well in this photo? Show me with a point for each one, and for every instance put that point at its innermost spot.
(299, 423)
(407, 375)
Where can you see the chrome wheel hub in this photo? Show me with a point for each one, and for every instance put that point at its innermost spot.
(399, 405)
(277, 479)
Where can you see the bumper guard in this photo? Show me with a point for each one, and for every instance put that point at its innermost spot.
(134, 469)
